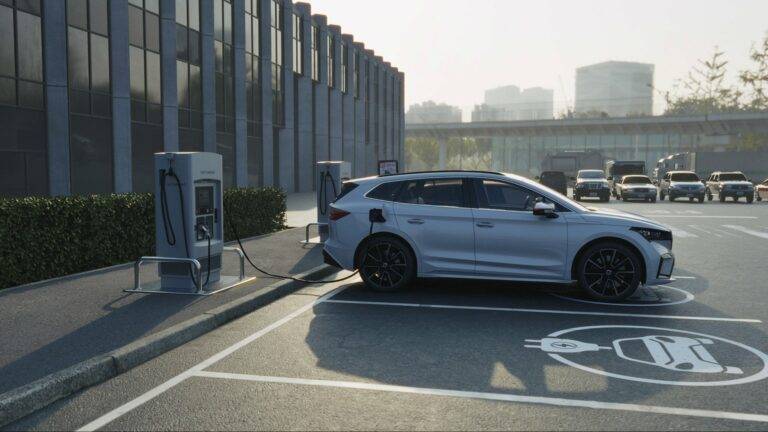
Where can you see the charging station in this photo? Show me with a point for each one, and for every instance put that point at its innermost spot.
(189, 226)
(330, 177)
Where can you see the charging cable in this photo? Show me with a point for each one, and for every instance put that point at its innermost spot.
(325, 177)
(277, 276)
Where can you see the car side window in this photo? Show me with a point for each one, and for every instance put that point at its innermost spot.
(437, 192)
(385, 191)
(499, 195)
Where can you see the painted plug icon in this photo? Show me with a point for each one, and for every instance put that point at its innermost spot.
(557, 345)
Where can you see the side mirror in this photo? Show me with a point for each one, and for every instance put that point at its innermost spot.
(544, 209)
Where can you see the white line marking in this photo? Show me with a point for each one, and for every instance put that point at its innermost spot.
(725, 233)
(698, 228)
(677, 232)
(544, 311)
(503, 397)
(746, 230)
(702, 216)
(683, 277)
(178, 379)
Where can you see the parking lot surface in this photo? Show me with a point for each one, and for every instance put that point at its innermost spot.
(462, 354)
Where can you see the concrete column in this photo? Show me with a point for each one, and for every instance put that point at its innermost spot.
(268, 154)
(348, 105)
(401, 108)
(168, 74)
(286, 145)
(382, 145)
(120, 81)
(389, 113)
(360, 167)
(241, 127)
(372, 155)
(396, 117)
(335, 107)
(208, 70)
(442, 148)
(320, 122)
(56, 97)
(303, 122)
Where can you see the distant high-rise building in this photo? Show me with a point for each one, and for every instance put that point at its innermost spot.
(431, 112)
(618, 89)
(509, 103)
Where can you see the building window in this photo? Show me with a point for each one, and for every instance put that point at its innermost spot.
(375, 100)
(315, 54)
(298, 44)
(90, 102)
(253, 90)
(144, 58)
(188, 73)
(344, 78)
(21, 54)
(225, 87)
(278, 115)
(331, 61)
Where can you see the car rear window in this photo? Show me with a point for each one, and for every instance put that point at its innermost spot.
(346, 188)
(438, 192)
(385, 191)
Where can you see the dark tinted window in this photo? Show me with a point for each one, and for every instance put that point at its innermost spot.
(732, 177)
(385, 191)
(346, 188)
(684, 177)
(636, 180)
(440, 192)
(498, 195)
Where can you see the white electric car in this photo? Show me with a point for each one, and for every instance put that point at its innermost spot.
(485, 225)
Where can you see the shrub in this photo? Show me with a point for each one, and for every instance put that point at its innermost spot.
(44, 237)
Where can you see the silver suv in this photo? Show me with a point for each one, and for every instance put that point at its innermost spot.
(681, 184)
(730, 184)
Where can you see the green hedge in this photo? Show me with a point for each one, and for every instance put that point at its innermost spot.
(43, 237)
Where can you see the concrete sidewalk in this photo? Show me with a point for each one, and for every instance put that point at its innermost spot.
(47, 327)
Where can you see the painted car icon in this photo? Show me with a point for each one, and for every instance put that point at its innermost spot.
(676, 353)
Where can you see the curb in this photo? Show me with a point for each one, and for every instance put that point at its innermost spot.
(25, 400)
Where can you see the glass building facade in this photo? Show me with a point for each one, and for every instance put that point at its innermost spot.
(87, 88)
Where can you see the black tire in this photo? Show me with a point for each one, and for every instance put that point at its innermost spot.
(750, 199)
(386, 264)
(576, 197)
(691, 199)
(722, 197)
(759, 198)
(609, 271)
(671, 198)
(661, 196)
(735, 199)
(701, 199)
(653, 200)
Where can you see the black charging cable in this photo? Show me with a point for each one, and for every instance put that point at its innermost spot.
(277, 276)
(324, 178)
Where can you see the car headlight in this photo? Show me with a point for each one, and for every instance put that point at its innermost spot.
(654, 235)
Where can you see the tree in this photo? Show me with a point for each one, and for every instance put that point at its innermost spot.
(705, 90)
(756, 80)
(422, 153)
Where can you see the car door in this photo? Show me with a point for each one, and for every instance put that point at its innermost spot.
(434, 215)
(510, 241)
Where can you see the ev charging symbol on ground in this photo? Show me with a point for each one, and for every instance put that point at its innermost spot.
(656, 355)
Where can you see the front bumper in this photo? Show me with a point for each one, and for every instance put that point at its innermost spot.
(686, 194)
(628, 194)
(737, 193)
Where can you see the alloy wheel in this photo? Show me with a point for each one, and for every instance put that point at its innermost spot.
(609, 272)
(384, 265)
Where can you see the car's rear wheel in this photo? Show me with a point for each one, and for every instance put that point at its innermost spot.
(609, 271)
(386, 264)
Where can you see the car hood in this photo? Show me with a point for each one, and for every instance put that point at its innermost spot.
(603, 181)
(736, 183)
(675, 183)
(610, 216)
(638, 186)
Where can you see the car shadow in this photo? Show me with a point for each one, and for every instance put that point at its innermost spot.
(473, 350)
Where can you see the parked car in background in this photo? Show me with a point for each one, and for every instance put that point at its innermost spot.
(591, 184)
(615, 170)
(555, 180)
(681, 184)
(761, 191)
(730, 184)
(636, 187)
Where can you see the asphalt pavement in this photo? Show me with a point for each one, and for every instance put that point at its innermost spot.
(460, 354)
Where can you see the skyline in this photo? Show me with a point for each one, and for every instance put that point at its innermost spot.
(550, 38)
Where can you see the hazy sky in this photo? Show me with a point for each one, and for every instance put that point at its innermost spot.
(452, 50)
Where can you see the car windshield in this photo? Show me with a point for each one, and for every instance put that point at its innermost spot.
(553, 176)
(733, 177)
(636, 180)
(684, 177)
(592, 174)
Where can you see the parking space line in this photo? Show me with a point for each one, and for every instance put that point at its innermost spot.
(746, 230)
(542, 311)
(701, 216)
(677, 232)
(178, 379)
(502, 397)
(698, 228)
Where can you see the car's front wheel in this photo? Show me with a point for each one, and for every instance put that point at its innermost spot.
(386, 264)
(609, 271)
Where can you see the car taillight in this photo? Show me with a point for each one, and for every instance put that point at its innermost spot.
(337, 214)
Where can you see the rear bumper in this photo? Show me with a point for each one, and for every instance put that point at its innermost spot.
(328, 259)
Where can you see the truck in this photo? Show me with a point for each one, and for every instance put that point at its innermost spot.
(615, 170)
(754, 164)
(571, 162)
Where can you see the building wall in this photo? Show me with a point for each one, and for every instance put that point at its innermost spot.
(101, 86)
(618, 89)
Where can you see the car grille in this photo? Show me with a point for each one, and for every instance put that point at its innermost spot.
(593, 185)
(689, 188)
(640, 190)
(738, 187)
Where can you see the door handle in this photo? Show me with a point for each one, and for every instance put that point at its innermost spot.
(416, 221)
(485, 224)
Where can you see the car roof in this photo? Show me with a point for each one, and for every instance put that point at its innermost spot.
(680, 172)
(441, 172)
